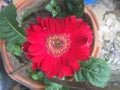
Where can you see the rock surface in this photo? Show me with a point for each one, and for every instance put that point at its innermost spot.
(108, 14)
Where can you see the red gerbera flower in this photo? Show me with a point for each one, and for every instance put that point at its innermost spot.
(55, 45)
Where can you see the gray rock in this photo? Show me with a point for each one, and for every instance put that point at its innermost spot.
(108, 14)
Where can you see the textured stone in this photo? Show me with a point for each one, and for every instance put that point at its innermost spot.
(108, 14)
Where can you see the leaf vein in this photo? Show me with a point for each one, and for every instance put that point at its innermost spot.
(13, 27)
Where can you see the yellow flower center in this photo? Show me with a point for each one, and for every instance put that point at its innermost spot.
(57, 45)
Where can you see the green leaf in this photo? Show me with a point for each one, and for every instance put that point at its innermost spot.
(54, 86)
(17, 51)
(65, 88)
(79, 10)
(10, 47)
(70, 5)
(38, 76)
(49, 88)
(41, 76)
(53, 8)
(14, 48)
(35, 76)
(49, 8)
(29, 70)
(54, 13)
(62, 14)
(32, 72)
(95, 71)
(57, 8)
(47, 82)
(79, 76)
(53, 3)
(9, 29)
(74, 7)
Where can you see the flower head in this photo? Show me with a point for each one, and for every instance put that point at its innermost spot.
(56, 45)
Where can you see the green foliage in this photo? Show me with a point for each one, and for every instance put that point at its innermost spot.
(79, 76)
(14, 48)
(72, 7)
(54, 86)
(41, 76)
(35, 76)
(31, 72)
(53, 8)
(9, 29)
(65, 88)
(95, 71)
(38, 75)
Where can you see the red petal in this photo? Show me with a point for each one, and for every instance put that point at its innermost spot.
(28, 56)
(29, 31)
(60, 75)
(82, 53)
(73, 19)
(25, 46)
(80, 41)
(37, 28)
(52, 26)
(75, 65)
(51, 66)
(46, 64)
(32, 24)
(36, 49)
(72, 61)
(67, 71)
(41, 22)
(81, 29)
(36, 38)
(38, 59)
(34, 66)
(59, 26)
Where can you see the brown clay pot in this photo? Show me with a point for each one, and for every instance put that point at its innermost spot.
(17, 71)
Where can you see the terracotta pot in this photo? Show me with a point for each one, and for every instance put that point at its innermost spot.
(17, 71)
